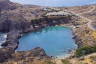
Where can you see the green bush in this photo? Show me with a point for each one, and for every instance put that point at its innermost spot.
(85, 50)
(49, 62)
(64, 61)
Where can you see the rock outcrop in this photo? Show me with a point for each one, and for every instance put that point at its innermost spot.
(12, 40)
(13, 21)
(37, 52)
(24, 57)
(6, 4)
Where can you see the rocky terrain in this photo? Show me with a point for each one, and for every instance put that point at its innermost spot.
(34, 56)
(88, 11)
(17, 19)
(88, 14)
(6, 4)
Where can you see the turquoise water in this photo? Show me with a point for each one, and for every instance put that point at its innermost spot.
(56, 3)
(56, 41)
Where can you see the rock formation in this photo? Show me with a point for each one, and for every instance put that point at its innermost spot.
(23, 57)
(6, 4)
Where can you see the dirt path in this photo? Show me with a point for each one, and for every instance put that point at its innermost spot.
(92, 9)
(90, 26)
(89, 20)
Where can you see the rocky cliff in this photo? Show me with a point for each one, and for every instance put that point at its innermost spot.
(13, 21)
(6, 4)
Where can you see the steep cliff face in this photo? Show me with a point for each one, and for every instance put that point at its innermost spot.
(13, 21)
(9, 25)
(6, 4)
(12, 18)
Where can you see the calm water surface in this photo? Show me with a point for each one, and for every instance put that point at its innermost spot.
(56, 3)
(56, 41)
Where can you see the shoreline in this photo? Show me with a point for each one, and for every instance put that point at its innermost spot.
(68, 55)
(70, 51)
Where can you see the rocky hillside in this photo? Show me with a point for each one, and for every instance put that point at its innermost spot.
(6, 4)
(87, 34)
(88, 11)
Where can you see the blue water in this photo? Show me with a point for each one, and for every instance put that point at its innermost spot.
(56, 3)
(56, 41)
